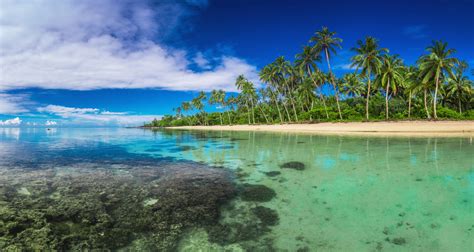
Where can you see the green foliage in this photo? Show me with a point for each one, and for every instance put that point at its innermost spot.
(382, 87)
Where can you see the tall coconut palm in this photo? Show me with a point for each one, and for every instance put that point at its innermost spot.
(459, 87)
(198, 103)
(307, 60)
(248, 94)
(284, 69)
(410, 76)
(435, 65)
(390, 77)
(368, 59)
(217, 98)
(325, 41)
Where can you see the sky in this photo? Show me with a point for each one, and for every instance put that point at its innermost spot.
(124, 62)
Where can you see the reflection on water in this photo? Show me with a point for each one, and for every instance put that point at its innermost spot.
(291, 192)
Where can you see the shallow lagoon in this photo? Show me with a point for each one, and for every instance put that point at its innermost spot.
(283, 192)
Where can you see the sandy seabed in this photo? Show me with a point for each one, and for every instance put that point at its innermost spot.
(400, 128)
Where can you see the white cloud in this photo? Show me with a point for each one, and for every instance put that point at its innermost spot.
(88, 44)
(94, 116)
(12, 104)
(51, 123)
(11, 122)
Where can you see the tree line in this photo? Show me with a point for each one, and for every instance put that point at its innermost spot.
(381, 87)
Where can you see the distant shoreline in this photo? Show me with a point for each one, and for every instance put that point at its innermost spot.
(396, 128)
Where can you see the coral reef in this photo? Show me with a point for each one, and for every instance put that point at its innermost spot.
(78, 208)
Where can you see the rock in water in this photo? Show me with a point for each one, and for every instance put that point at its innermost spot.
(267, 216)
(258, 193)
(295, 165)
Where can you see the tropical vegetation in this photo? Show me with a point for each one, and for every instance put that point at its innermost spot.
(380, 87)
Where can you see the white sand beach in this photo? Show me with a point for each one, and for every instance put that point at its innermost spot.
(400, 128)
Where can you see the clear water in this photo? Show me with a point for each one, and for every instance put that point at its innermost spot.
(353, 193)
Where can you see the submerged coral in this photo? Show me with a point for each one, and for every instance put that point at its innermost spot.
(295, 165)
(258, 193)
(107, 209)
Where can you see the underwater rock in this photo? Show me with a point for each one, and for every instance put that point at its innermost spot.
(258, 193)
(399, 241)
(267, 216)
(295, 165)
(272, 173)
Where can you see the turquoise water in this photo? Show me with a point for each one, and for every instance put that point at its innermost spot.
(277, 192)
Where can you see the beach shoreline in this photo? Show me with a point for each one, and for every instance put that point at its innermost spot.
(386, 128)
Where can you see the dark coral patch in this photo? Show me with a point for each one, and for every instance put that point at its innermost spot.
(258, 193)
(295, 165)
(272, 173)
(267, 216)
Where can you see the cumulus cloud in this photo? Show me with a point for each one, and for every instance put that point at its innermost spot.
(11, 122)
(94, 116)
(88, 44)
(12, 104)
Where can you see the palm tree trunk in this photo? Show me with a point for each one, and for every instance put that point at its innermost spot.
(220, 117)
(459, 104)
(276, 102)
(253, 110)
(426, 106)
(290, 96)
(324, 104)
(368, 96)
(320, 96)
(386, 100)
(228, 115)
(336, 92)
(436, 96)
(263, 113)
(248, 111)
(409, 105)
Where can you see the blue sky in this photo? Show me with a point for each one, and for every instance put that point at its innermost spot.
(111, 63)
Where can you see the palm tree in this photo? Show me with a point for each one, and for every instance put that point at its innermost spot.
(368, 59)
(390, 76)
(436, 65)
(307, 60)
(327, 43)
(217, 98)
(284, 69)
(267, 75)
(197, 103)
(459, 87)
(186, 106)
(410, 85)
(248, 94)
(352, 85)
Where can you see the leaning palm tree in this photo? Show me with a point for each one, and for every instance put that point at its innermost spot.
(390, 77)
(186, 106)
(459, 87)
(368, 59)
(411, 80)
(435, 65)
(325, 41)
